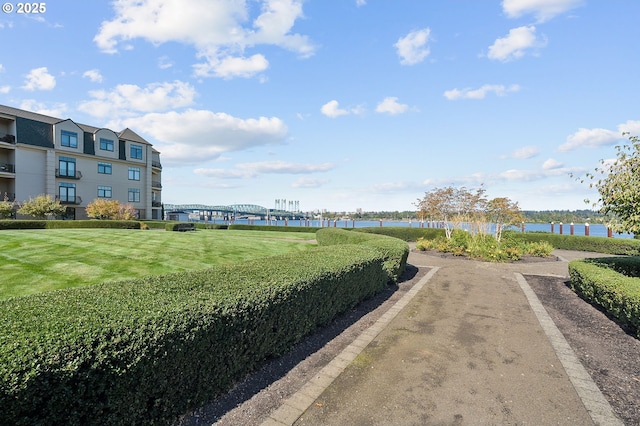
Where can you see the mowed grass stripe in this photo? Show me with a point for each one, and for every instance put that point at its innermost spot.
(33, 261)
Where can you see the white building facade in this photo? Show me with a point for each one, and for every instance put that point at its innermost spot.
(77, 164)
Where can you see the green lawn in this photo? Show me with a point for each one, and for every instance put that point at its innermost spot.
(33, 261)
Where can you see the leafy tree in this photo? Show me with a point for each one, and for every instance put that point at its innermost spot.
(6, 207)
(618, 183)
(101, 208)
(42, 206)
(452, 206)
(503, 212)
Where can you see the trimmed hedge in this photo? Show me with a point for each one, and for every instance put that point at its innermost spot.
(113, 224)
(180, 226)
(145, 351)
(394, 250)
(605, 283)
(22, 224)
(63, 224)
(405, 234)
(618, 246)
(273, 228)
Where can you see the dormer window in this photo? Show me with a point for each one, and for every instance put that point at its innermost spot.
(69, 139)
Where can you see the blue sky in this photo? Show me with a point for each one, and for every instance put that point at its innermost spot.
(341, 104)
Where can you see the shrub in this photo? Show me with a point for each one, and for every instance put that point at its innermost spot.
(395, 251)
(240, 226)
(485, 246)
(405, 234)
(42, 206)
(617, 246)
(145, 351)
(601, 282)
(23, 224)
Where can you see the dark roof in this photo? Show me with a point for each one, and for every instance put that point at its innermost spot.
(130, 135)
(127, 133)
(29, 115)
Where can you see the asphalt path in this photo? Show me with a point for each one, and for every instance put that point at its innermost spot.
(468, 345)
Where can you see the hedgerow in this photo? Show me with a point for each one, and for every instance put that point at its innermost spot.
(395, 251)
(617, 246)
(611, 283)
(145, 351)
(405, 234)
(240, 226)
(62, 224)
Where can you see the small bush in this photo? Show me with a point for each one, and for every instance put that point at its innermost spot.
(273, 228)
(395, 251)
(604, 282)
(617, 246)
(109, 224)
(485, 246)
(23, 224)
(405, 234)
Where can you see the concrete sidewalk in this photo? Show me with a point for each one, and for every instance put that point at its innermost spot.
(468, 344)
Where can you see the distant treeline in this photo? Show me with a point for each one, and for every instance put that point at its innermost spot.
(564, 216)
(531, 216)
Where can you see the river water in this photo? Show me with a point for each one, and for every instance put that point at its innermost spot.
(595, 230)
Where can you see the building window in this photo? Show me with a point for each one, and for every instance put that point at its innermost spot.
(134, 195)
(134, 173)
(106, 144)
(104, 168)
(67, 167)
(136, 152)
(69, 139)
(104, 191)
(67, 192)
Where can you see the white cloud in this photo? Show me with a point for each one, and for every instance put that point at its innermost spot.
(127, 99)
(361, 2)
(595, 138)
(331, 109)
(633, 127)
(515, 44)
(551, 164)
(196, 136)
(219, 30)
(231, 67)
(590, 138)
(523, 153)
(252, 170)
(390, 105)
(93, 75)
(164, 62)
(543, 10)
(481, 93)
(5, 89)
(309, 183)
(413, 47)
(39, 79)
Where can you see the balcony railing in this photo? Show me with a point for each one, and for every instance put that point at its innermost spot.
(156, 184)
(7, 196)
(156, 204)
(8, 139)
(76, 175)
(66, 199)
(156, 164)
(7, 168)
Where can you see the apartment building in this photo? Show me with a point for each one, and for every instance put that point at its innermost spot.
(77, 163)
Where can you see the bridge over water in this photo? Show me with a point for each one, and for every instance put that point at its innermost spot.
(231, 210)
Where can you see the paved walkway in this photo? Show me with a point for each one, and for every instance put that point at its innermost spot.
(468, 344)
